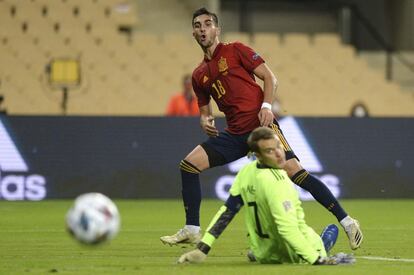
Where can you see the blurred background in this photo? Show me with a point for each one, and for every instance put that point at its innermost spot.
(85, 84)
(114, 57)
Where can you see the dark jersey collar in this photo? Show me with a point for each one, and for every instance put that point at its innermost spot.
(262, 166)
(216, 50)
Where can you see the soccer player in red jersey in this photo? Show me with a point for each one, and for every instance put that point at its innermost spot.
(227, 74)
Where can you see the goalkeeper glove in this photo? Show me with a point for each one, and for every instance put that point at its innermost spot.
(340, 258)
(194, 256)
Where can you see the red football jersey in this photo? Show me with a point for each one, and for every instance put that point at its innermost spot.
(228, 78)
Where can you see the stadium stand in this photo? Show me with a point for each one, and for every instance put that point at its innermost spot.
(128, 71)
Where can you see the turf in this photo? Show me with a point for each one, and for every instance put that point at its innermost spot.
(33, 240)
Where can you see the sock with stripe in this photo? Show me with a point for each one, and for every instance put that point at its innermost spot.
(191, 192)
(320, 192)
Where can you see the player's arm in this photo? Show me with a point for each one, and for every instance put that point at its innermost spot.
(206, 113)
(269, 89)
(217, 225)
(207, 121)
(253, 63)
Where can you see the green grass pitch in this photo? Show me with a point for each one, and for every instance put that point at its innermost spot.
(33, 240)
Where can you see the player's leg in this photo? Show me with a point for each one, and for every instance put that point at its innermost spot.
(214, 152)
(319, 191)
(324, 196)
(314, 186)
(190, 168)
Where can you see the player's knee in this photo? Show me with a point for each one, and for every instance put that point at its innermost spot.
(292, 167)
(214, 157)
(188, 167)
(197, 158)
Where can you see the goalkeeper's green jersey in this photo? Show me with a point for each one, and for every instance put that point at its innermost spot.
(274, 217)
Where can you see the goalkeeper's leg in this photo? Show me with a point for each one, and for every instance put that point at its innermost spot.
(329, 236)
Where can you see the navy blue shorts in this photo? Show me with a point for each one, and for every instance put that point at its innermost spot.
(228, 147)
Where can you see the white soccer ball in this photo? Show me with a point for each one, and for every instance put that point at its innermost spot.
(93, 219)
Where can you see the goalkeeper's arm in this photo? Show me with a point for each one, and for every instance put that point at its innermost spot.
(220, 221)
(340, 258)
(217, 225)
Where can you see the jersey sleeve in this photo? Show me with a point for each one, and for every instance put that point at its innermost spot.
(220, 221)
(224, 216)
(203, 98)
(248, 57)
(283, 209)
(235, 188)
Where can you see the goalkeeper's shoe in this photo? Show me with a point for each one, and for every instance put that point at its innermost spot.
(354, 234)
(183, 236)
(329, 236)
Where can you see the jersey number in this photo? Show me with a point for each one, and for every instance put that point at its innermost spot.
(256, 216)
(219, 88)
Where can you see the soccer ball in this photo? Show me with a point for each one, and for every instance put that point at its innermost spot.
(93, 219)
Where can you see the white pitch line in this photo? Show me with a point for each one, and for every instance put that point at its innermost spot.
(386, 259)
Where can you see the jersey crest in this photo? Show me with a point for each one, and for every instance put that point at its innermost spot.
(205, 78)
(222, 65)
(287, 205)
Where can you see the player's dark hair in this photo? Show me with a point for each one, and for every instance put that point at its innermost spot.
(259, 134)
(202, 11)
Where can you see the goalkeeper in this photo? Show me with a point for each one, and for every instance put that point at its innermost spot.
(274, 216)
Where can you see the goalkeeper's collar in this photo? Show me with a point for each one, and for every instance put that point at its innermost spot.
(264, 166)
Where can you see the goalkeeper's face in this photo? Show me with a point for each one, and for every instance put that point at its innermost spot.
(271, 152)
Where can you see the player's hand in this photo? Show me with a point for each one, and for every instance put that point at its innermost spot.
(194, 256)
(265, 117)
(208, 126)
(340, 258)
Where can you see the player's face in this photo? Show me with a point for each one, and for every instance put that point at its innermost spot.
(271, 153)
(205, 31)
